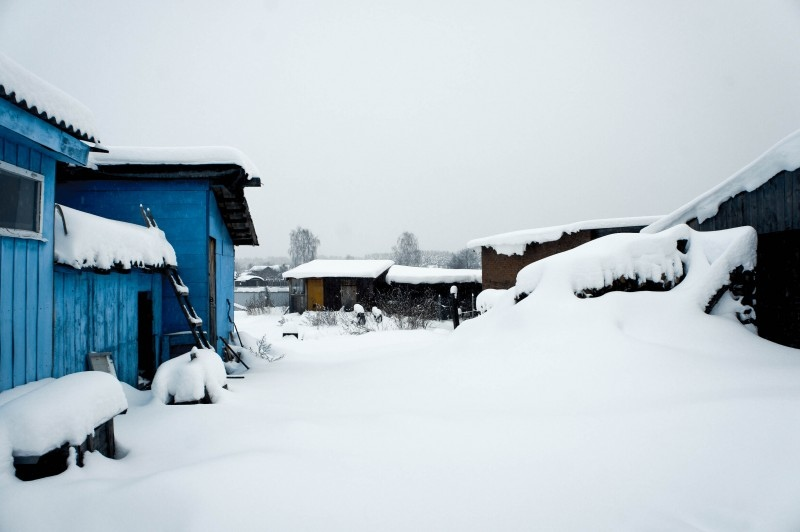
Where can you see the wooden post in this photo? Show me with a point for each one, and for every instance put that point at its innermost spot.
(454, 305)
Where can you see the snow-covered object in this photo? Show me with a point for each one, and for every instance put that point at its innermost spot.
(377, 312)
(188, 155)
(488, 298)
(185, 379)
(247, 277)
(45, 100)
(514, 243)
(785, 155)
(705, 267)
(64, 410)
(358, 309)
(367, 269)
(416, 275)
(95, 242)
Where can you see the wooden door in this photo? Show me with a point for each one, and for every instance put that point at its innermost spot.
(212, 290)
(315, 294)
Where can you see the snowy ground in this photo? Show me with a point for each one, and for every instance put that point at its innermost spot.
(631, 411)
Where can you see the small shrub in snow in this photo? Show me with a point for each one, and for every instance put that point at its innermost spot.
(195, 376)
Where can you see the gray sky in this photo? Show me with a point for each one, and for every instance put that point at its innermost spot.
(453, 119)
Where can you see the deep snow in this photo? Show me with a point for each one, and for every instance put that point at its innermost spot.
(630, 411)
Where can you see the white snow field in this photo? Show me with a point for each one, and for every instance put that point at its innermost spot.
(625, 412)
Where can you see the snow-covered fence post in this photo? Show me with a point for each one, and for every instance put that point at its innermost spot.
(454, 305)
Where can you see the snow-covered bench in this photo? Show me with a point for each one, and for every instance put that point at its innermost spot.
(40, 421)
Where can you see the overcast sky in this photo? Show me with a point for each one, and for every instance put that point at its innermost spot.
(453, 119)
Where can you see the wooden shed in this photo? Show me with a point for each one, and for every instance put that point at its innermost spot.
(197, 198)
(333, 284)
(433, 285)
(766, 196)
(504, 255)
(108, 294)
(39, 126)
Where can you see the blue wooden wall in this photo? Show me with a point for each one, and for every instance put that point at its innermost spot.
(187, 213)
(99, 312)
(26, 281)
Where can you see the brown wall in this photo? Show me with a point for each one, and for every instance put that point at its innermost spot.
(500, 271)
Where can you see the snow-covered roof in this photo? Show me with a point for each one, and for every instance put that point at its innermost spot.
(28, 91)
(94, 242)
(416, 275)
(369, 269)
(785, 155)
(248, 276)
(514, 243)
(188, 155)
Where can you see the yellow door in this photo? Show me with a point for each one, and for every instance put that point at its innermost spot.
(314, 293)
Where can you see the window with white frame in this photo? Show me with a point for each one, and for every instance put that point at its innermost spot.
(20, 201)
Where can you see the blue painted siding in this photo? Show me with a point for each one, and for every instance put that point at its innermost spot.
(26, 282)
(188, 214)
(99, 312)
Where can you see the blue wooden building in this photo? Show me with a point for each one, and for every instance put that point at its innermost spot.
(108, 298)
(39, 127)
(197, 198)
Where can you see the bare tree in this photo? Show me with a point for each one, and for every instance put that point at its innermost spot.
(302, 246)
(465, 259)
(406, 252)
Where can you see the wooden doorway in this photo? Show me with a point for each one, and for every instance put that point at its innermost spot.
(145, 339)
(212, 290)
(315, 294)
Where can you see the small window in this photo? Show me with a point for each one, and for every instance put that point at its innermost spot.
(20, 202)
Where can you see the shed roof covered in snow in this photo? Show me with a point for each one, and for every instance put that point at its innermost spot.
(416, 275)
(84, 240)
(38, 97)
(319, 268)
(514, 243)
(228, 170)
(785, 155)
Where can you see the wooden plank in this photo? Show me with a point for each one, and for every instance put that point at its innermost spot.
(6, 298)
(32, 331)
(60, 331)
(36, 162)
(19, 312)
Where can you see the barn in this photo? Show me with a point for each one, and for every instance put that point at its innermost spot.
(196, 195)
(765, 195)
(40, 126)
(333, 284)
(504, 255)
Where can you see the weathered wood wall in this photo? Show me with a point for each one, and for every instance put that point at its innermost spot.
(26, 282)
(99, 312)
(188, 214)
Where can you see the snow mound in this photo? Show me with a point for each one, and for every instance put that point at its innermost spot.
(91, 241)
(515, 242)
(63, 410)
(645, 261)
(417, 275)
(785, 155)
(490, 297)
(189, 377)
(44, 100)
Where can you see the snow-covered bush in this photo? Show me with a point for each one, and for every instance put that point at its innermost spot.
(490, 297)
(195, 376)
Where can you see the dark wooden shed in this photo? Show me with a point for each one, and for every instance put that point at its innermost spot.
(766, 196)
(504, 255)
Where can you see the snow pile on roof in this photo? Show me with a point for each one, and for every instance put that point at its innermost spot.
(416, 275)
(64, 410)
(785, 155)
(94, 242)
(189, 377)
(188, 155)
(368, 269)
(710, 258)
(514, 243)
(44, 100)
(248, 276)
